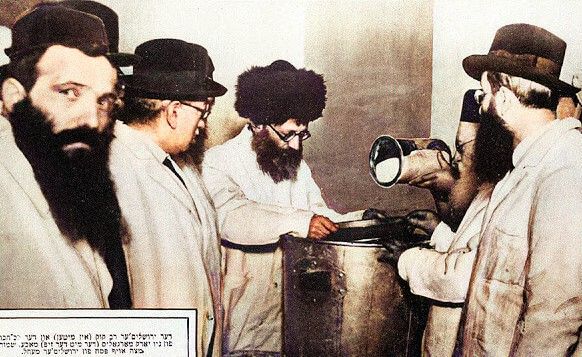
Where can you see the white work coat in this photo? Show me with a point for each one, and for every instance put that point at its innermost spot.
(173, 251)
(443, 274)
(254, 210)
(39, 266)
(525, 292)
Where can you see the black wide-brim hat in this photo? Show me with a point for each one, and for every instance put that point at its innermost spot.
(172, 69)
(525, 51)
(111, 22)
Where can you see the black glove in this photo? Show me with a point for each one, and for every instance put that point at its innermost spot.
(423, 220)
(395, 248)
(373, 213)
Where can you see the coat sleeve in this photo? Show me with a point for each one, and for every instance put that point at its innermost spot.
(318, 205)
(552, 315)
(243, 221)
(439, 276)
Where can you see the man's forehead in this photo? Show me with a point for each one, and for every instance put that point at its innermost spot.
(64, 64)
(293, 124)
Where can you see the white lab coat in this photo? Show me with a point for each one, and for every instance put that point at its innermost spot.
(254, 210)
(443, 274)
(173, 252)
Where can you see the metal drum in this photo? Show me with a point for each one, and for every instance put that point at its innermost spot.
(342, 299)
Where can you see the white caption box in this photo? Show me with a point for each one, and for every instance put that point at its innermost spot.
(88, 332)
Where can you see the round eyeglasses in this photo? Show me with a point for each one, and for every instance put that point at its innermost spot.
(302, 135)
(204, 113)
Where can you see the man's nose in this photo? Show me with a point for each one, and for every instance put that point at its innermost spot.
(201, 124)
(457, 158)
(295, 143)
(90, 114)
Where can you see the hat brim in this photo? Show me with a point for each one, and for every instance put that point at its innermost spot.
(117, 59)
(182, 88)
(475, 65)
(121, 59)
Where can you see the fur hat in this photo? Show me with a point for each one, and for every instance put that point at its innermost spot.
(279, 92)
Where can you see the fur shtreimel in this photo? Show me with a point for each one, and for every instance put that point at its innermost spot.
(278, 92)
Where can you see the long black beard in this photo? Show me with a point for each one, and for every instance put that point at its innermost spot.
(279, 163)
(493, 148)
(78, 187)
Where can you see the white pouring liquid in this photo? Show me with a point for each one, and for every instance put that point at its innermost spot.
(387, 170)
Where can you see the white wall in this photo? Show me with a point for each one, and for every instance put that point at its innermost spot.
(237, 35)
(467, 27)
(5, 41)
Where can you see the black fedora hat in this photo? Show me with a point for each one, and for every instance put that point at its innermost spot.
(172, 69)
(111, 22)
(45, 26)
(525, 51)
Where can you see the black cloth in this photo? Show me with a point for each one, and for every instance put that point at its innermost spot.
(120, 296)
(169, 165)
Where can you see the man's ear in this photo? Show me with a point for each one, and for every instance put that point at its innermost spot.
(172, 113)
(12, 93)
(505, 100)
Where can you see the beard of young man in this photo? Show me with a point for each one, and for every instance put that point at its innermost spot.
(493, 147)
(279, 163)
(77, 187)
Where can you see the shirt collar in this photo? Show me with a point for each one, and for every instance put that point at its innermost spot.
(531, 142)
(151, 145)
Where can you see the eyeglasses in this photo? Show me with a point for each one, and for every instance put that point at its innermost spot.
(204, 113)
(302, 135)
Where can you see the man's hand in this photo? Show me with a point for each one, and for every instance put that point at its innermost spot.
(436, 181)
(374, 213)
(439, 182)
(395, 248)
(320, 227)
(423, 219)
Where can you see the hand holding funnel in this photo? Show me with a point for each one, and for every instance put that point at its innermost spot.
(402, 160)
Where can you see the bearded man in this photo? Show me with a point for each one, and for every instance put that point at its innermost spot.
(262, 188)
(61, 227)
(526, 284)
(442, 273)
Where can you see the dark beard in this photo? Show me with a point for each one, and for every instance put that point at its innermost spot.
(493, 148)
(195, 153)
(279, 163)
(77, 187)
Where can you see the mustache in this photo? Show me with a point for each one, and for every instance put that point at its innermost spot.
(86, 135)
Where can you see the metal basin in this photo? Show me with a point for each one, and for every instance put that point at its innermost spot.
(342, 299)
